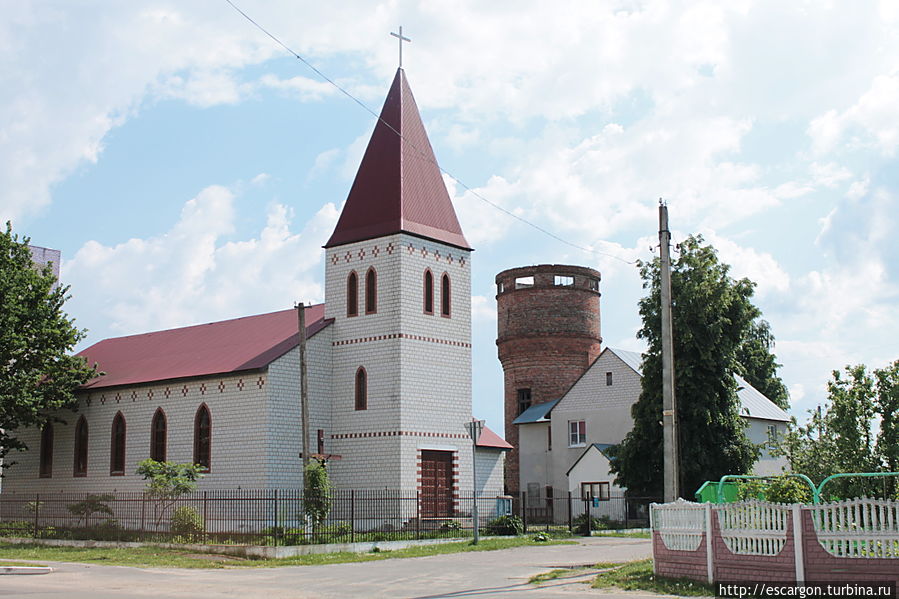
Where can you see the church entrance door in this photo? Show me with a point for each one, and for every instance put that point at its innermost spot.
(436, 483)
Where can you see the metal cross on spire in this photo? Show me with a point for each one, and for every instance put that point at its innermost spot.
(401, 39)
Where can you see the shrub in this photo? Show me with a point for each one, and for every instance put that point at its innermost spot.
(451, 526)
(187, 522)
(505, 525)
(580, 523)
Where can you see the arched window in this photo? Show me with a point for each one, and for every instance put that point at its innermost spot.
(158, 436)
(203, 438)
(371, 291)
(352, 295)
(361, 389)
(429, 292)
(445, 296)
(80, 468)
(46, 469)
(117, 446)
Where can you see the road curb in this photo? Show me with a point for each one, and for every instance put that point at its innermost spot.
(25, 570)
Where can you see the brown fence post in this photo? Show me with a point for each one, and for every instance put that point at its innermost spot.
(37, 510)
(205, 521)
(524, 512)
(589, 524)
(569, 512)
(417, 514)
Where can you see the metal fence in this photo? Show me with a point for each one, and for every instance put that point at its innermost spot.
(546, 512)
(267, 517)
(278, 517)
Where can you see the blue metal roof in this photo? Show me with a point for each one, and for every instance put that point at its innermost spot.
(537, 413)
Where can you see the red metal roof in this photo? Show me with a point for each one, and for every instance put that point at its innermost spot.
(490, 439)
(398, 187)
(247, 343)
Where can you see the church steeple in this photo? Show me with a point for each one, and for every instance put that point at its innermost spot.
(398, 187)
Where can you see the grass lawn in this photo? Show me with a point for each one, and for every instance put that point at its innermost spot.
(156, 557)
(638, 576)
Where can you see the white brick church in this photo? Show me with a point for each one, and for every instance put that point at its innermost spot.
(389, 362)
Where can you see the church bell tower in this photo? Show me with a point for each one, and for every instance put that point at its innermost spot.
(398, 287)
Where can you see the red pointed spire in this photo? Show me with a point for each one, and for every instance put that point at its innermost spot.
(398, 187)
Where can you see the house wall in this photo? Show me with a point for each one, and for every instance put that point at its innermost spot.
(239, 444)
(490, 471)
(418, 365)
(605, 409)
(757, 431)
(593, 467)
(535, 459)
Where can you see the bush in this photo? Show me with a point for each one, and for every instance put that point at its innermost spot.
(188, 523)
(505, 525)
(580, 523)
(451, 526)
(777, 489)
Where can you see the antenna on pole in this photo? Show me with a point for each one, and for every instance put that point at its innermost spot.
(671, 456)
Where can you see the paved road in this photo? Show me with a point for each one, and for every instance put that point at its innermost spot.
(476, 574)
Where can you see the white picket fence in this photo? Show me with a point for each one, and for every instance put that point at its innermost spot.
(754, 527)
(681, 524)
(860, 528)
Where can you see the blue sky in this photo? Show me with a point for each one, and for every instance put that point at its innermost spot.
(190, 169)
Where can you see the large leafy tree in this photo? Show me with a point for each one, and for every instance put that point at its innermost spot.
(756, 363)
(857, 431)
(714, 324)
(38, 374)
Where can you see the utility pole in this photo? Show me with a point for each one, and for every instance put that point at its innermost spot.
(474, 428)
(669, 403)
(304, 388)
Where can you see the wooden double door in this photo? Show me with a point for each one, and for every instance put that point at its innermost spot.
(437, 484)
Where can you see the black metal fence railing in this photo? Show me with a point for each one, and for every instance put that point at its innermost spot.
(279, 516)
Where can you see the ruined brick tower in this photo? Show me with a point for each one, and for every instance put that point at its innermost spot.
(548, 333)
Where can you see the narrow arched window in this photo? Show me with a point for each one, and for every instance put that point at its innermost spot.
(371, 291)
(352, 295)
(361, 389)
(158, 436)
(445, 296)
(80, 468)
(429, 292)
(46, 469)
(203, 438)
(117, 446)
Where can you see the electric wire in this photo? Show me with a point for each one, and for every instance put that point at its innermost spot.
(412, 145)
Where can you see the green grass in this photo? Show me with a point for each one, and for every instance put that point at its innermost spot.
(156, 557)
(625, 535)
(638, 576)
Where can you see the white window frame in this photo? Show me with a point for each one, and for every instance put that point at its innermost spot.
(577, 433)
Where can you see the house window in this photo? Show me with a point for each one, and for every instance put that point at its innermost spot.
(80, 468)
(352, 295)
(500, 287)
(371, 291)
(445, 295)
(598, 490)
(549, 437)
(524, 282)
(46, 467)
(361, 389)
(608, 379)
(429, 292)
(203, 438)
(594, 285)
(577, 433)
(524, 400)
(563, 281)
(772, 432)
(158, 436)
(117, 446)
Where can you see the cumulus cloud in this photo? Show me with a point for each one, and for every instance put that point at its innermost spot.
(192, 273)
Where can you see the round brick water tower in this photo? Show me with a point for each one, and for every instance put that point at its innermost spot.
(548, 333)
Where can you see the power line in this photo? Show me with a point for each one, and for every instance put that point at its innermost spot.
(413, 146)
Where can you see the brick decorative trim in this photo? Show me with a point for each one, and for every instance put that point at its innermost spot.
(424, 251)
(400, 336)
(370, 434)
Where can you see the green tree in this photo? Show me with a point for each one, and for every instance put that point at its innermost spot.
(167, 481)
(756, 363)
(316, 493)
(38, 374)
(842, 438)
(713, 317)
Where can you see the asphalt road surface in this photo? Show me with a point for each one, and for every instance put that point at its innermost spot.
(475, 574)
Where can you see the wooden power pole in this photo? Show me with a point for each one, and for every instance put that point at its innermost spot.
(304, 388)
(669, 403)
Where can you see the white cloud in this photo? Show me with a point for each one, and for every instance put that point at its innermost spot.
(192, 274)
(300, 87)
(760, 267)
(483, 309)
